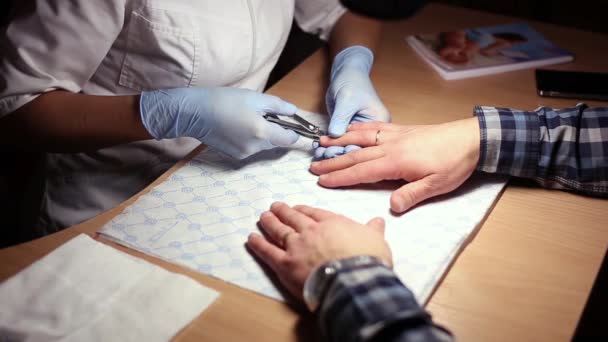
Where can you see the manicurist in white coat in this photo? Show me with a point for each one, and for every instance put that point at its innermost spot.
(116, 91)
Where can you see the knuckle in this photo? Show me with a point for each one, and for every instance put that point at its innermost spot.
(311, 228)
(351, 157)
(410, 196)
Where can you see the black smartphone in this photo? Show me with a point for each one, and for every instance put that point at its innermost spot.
(572, 84)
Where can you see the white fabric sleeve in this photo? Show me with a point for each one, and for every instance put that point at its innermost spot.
(318, 16)
(55, 44)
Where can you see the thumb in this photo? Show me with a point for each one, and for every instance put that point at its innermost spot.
(377, 224)
(415, 192)
(276, 105)
(279, 136)
(340, 118)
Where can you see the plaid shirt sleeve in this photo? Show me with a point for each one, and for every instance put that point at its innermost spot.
(370, 303)
(558, 148)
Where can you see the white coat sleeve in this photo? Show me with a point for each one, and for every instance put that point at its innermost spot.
(55, 44)
(318, 16)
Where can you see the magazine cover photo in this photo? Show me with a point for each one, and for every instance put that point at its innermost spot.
(487, 46)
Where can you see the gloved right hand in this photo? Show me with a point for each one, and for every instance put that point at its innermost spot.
(229, 120)
(350, 97)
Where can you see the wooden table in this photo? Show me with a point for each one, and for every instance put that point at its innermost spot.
(528, 271)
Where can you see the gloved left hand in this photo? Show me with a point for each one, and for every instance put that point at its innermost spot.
(351, 97)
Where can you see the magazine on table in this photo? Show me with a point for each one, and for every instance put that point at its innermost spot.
(487, 50)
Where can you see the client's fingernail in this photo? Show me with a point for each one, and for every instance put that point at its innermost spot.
(398, 207)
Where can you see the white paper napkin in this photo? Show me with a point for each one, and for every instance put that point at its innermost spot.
(87, 291)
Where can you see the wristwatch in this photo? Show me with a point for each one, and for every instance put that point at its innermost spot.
(319, 279)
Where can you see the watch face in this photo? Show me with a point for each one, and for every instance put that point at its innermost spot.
(315, 285)
(317, 282)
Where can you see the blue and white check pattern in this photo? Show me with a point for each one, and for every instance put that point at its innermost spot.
(371, 303)
(558, 148)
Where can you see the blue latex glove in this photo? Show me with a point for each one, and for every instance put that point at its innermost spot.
(331, 151)
(227, 119)
(351, 97)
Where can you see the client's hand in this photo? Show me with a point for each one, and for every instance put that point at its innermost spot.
(302, 238)
(433, 159)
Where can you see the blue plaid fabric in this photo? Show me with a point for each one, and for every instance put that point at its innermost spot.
(370, 303)
(558, 148)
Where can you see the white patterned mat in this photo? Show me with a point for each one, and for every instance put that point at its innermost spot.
(201, 216)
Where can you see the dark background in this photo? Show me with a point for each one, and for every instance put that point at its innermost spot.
(583, 14)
